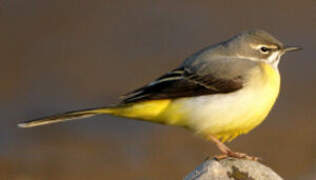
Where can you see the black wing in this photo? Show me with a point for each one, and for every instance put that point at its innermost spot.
(180, 83)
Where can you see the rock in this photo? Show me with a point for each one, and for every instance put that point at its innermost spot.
(232, 169)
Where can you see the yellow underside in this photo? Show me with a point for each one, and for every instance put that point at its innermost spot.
(257, 111)
(168, 112)
(146, 110)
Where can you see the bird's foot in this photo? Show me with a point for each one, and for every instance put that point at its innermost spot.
(236, 155)
(227, 152)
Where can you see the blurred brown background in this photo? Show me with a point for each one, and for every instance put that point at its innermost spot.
(60, 55)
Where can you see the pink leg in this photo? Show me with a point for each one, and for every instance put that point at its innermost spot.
(227, 152)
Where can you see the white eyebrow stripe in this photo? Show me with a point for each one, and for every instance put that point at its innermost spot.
(258, 46)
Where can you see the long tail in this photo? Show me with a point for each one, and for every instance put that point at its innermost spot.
(147, 111)
(73, 115)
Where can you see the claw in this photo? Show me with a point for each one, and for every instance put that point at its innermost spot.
(237, 155)
(221, 156)
(227, 152)
(242, 156)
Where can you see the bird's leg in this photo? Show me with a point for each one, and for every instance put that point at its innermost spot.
(227, 152)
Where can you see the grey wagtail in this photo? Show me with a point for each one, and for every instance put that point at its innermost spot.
(219, 92)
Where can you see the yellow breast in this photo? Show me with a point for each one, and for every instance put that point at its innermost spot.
(265, 92)
(229, 115)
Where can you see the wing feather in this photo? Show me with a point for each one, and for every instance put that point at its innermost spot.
(182, 82)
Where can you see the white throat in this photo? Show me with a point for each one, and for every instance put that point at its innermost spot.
(274, 59)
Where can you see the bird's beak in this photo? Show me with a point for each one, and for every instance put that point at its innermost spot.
(291, 48)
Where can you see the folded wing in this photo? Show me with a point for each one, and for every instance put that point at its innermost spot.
(183, 82)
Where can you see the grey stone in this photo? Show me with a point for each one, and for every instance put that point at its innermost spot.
(232, 169)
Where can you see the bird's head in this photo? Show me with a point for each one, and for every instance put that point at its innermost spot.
(258, 45)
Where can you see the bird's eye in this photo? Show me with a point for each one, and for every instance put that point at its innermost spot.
(264, 49)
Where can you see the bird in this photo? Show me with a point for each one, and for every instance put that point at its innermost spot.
(220, 92)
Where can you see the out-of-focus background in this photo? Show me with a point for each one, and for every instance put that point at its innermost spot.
(61, 55)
